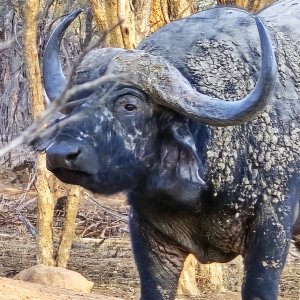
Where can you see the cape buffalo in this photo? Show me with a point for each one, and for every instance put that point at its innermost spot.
(205, 176)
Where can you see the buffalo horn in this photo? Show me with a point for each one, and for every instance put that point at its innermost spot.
(54, 78)
(166, 85)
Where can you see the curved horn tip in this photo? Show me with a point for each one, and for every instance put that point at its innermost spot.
(75, 13)
(54, 79)
(265, 41)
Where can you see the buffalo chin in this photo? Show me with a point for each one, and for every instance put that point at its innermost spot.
(71, 177)
(86, 181)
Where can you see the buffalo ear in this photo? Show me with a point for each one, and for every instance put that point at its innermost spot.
(180, 167)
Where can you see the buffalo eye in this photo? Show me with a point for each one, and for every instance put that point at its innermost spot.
(130, 107)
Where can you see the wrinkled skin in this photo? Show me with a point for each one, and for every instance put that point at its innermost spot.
(193, 188)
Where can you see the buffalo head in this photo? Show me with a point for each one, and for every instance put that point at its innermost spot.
(140, 134)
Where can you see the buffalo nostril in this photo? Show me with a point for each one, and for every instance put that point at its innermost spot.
(63, 155)
(72, 156)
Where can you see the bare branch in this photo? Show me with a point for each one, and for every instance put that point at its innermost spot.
(35, 130)
(8, 44)
(107, 209)
(27, 224)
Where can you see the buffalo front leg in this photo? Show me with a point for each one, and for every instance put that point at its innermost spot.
(159, 262)
(265, 256)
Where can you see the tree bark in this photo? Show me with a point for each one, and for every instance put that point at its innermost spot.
(68, 233)
(106, 17)
(187, 282)
(133, 19)
(159, 15)
(45, 182)
(250, 5)
(45, 198)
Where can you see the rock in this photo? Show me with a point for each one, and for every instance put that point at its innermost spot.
(11, 289)
(56, 277)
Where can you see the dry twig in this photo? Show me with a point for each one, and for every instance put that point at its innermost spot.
(37, 130)
(8, 44)
(107, 209)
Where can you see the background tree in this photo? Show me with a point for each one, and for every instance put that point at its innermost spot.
(45, 197)
(15, 113)
(46, 184)
(250, 5)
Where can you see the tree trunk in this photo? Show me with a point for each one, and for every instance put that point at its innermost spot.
(250, 5)
(187, 282)
(68, 233)
(45, 198)
(133, 19)
(45, 182)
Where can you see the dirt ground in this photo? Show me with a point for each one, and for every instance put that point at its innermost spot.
(101, 250)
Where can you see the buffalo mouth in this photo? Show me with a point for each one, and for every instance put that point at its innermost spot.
(80, 178)
(71, 176)
(91, 182)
